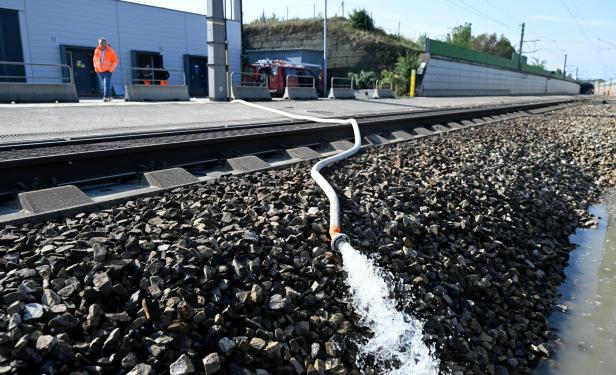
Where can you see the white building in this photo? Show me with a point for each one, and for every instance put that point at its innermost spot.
(66, 31)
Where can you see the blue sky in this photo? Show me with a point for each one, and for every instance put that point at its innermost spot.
(583, 29)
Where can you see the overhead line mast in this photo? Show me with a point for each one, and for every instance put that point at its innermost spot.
(521, 44)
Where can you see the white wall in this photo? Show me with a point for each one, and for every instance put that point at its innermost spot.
(234, 36)
(452, 78)
(172, 34)
(46, 24)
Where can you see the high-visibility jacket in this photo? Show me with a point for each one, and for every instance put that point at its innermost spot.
(109, 63)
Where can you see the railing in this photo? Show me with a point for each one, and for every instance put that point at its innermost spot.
(605, 88)
(32, 78)
(379, 85)
(344, 83)
(301, 80)
(250, 79)
(149, 76)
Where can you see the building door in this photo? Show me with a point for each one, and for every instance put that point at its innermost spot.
(195, 68)
(80, 60)
(142, 61)
(10, 47)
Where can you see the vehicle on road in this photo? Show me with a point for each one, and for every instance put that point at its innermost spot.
(277, 73)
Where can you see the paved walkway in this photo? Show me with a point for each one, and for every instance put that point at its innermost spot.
(26, 122)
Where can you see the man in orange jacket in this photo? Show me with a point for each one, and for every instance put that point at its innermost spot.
(105, 61)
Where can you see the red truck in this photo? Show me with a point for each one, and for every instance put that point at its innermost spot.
(277, 72)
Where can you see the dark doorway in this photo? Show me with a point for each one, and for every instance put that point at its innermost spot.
(10, 47)
(80, 60)
(195, 68)
(142, 60)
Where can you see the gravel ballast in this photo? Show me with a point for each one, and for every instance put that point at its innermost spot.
(236, 276)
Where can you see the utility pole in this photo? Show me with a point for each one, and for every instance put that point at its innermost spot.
(565, 67)
(287, 13)
(576, 72)
(314, 10)
(398, 29)
(521, 44)
(343, 9)
(325, 51)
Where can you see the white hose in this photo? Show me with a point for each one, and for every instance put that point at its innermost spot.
(397, 337)
(315, 172)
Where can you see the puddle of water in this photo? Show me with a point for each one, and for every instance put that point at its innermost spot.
(587, 330)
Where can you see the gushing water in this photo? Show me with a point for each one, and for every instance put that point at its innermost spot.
(397, 345)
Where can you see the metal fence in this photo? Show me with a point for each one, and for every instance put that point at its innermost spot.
(156, 76)
(438, 48)
(300, 81)
(48, 73)
(343, 83)
(250, 79)
(605, 88)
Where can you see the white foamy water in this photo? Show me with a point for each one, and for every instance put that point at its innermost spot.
(397, 345)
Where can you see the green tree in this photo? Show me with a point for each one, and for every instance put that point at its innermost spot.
(539, 63)
(361, 20)
(490, 43)
(461, 36)
(559, 73)
(420, 41)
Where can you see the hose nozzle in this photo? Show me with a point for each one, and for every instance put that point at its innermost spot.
(338, 239)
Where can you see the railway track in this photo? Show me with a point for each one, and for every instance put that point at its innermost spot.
(116, 159)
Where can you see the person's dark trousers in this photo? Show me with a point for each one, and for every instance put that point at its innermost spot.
(105, 80)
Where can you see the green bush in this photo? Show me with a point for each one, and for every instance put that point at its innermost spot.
(400, 76)
(364, 80)
(361, 20)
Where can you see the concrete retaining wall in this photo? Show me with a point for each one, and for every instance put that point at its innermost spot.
(341, 93)
(155, 93)
(384, 94)
(443, 77)
(346, 53)
(300, 93)
(375, 94)
(364, 94)
(37, 92)
(251, 93)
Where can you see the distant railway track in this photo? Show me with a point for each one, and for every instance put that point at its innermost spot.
(39, 164)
